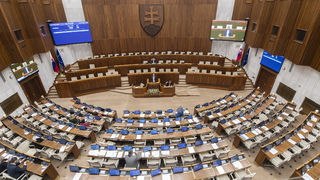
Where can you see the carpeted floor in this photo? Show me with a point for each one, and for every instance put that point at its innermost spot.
(121, 102)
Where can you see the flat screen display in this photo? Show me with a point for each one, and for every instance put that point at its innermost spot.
(25, 69)
(71, 32)
(271, 61)
(228, 30)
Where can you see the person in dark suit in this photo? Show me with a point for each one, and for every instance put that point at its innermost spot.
(153, 78)
(227, 33)
(14, 170)
(169, 83)
(179, 111)
(3, 164)
(132, 160)
(153, 61)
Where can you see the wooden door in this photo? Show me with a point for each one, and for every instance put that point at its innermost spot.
(266, 79)
(33, 88)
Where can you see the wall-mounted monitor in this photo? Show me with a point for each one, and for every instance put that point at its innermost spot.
(23, 70)
(271, 61)
(71, 32)
(228, 30)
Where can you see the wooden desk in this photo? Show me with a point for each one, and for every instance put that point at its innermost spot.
(83, 133)
(183, 176)
(159, 177)
(137, 78)
(211, 106)
(218, 81)
(85, 72)
(262, 155)
(224, 69)
(71, 175)
(263, 105)
(228, 168)
(154, 125)
(47, 143)
(62, 113)
(87, 86)
(138, 91)
(314, 172)
(154, 115)
(234, 108)
(112, 114)
(138, 59)
(204, 173)
(124, 69)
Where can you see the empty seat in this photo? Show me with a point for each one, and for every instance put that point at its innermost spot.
(143, 53)
(215, 63)
(83, 77)
(150, 53)
(123, 54)
(131, 71)
(161, 70)
(182, 61)
(170, 161)
(145, 70)
(190, 70)
(153, 69)
(188, 159)
(219, 72)
(145, 62)
(91, 75)
(168, 61)
(108, 73)
(201, 62)
(116, 72)
(200, 53)
(174, 61)
(100, 74)
(74, 78)
(212, 71)
(235, 73)
(189, 52)
(92, 66)
(116, 54)
(207, 62)
(168, 70)
(169, 52)
(103, 56)
(156, 53)
(96, 56)
(138, 70)
(160, 61)
(175, 70)
(204, 71)
(228, 73)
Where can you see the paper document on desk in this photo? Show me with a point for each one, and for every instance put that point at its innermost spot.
(146, 154)
(243, 118)
(258, 130)
(120, 154)
(26, 132)
(177, 122)
(155, 154)
(126, 115)
(219, 114)
(248, 100)
(140, 124)
(166, 176)
(68, 129)
(102, 153)
(217, 103)
(42, 119)
(272, 97)
(167, 152)
(306, 176)
(286, 114)
(196, 120)
(214, 146)
(77, 176)
(221, 170)
(111, 154)
(122, 137)
(290, 108)
(255, 132)
(114, 135)
(186, 112)
(304, 130)
(62, 148)
(139, 136)
(190, 121)
(228, 124)
(167, 124)
(160, 123)
(300, 136)
(142, 115)
(211, 116)
(292, 141)
(244, 136)
(236, 121)
(233, 96)
(140, 178)
(61, 126)
(56, 109)
(34, 114)
(309, 124)
(273, 151)
(43, 168)
(265, 128)
(27, 108)
(237, 164)
(129, 124)
(93, 153)
(280, 118)
(191, 149)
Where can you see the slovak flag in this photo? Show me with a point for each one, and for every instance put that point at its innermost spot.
(54, 66)
(239, 54)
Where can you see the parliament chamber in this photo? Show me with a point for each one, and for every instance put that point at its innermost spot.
(159, 89)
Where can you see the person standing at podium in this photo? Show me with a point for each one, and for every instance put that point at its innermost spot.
(153, 78)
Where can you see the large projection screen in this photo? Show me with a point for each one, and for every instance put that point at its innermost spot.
(228, 30)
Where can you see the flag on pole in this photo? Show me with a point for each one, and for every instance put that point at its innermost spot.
(54, 65)
(245, 61)
(59, 58)
(239, 54)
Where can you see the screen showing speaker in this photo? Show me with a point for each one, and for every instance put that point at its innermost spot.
(228, 30)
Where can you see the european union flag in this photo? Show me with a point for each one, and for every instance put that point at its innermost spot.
(245, 61)
(59, 58)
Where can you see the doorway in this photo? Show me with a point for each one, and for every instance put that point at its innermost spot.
(33, 88)
(266, 79)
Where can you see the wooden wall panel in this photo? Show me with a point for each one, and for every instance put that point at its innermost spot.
(260, 15)
(116, 27)
(307, 19)
(284, 16)
(53, 10)
(242, 9)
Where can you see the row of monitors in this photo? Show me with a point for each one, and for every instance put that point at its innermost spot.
(39, 134)
(60, 122)
(155, 131)
(91, 106)
(151, 53)
(214, 101)
(149, 148)
(286, 137)
(137, 172)
(119, 120)
(149, 112)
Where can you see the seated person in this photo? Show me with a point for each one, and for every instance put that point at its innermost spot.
(84, 110)
(3, 164)
(83, 123)
(73, 119)
(14, 170)
(179, 111)
(96, 114)
(169, 83)
(153, 61)
(153, 78)
(132, 160)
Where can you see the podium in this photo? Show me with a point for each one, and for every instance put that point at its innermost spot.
(153, 89)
